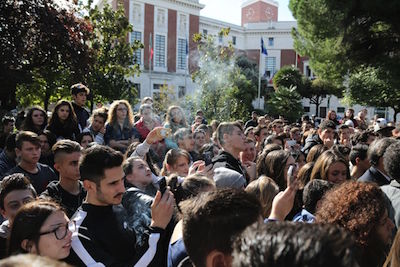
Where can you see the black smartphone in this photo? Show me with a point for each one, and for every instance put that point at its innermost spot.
(162, 183)
(208, 157)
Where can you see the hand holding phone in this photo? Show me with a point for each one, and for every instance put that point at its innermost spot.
(162, 183)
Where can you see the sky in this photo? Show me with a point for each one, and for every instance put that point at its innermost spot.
(230, 10)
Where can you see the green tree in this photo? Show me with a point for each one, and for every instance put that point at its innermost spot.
(285, 102)
(37, 37)
(114, 58)
(288, 76)
(367, 82)
(226, 89)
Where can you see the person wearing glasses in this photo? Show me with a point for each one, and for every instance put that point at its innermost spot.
(42, 228)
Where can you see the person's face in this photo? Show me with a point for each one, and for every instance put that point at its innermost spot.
(337, 173)
(80, 98)
(176, 115)
(68, 166)
(332, 115)
(250, 134)
(349, 113)
(306, 127)
(14, 200)
(97, 123)
(237, 139)
(44, 144)
(29, 153)
(111, 187)
(187, 143)
(296, 136)
(384, 229)
(181, 166)
(345, 134)
(9, 127)
(49, 245)
(86, 140)
(364, 164)
(63, 112)
(147, 114)
(261, 121)
(254, 116)
(122, 111)
(371, 138)
(278, 128)
(250, 153)
(37, 118)
(200, 140)
(326, 134)
(262, 136)
(141, 173)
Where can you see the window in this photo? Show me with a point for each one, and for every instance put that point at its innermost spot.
(220, 39)
(234, 40)
(205, 32)
(182, 53)
(340, 110)
(270, 66)
(306, 109)
(137, 57)
(308, 72)
(181, 91)
(160, 51)
(270, 41)
(137, 87)
(156, 92)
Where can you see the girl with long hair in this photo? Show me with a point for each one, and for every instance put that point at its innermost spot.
(63, 122)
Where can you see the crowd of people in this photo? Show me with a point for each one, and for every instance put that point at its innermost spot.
(115, 188)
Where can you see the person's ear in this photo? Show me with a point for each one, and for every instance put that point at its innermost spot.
(168, 167)
(28, 246)
(216, 259)
(89, 185)
(358, 160)
(57, 166)
(3, 213)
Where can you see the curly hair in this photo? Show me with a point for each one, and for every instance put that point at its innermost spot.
(355, 206)
(112, 114)
(28, 124)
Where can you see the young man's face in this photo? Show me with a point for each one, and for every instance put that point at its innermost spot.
(98, 123)
(344, 134)
(44, 145)
(80, 98)
(111, 187)
(187, 143)
(14, 200)
(326, 134)
(236, 139)
(29, 152)
(263, 134)
(277, 128)
(68, 167)
(250, 153)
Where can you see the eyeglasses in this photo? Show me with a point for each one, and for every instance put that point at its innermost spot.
(122, 109)
(61, 231)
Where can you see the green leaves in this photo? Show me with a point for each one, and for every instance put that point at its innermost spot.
(285, 102)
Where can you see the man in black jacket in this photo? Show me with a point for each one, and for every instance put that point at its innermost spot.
(79, 94)
(377, 173)
(325, 135)
(102, 237)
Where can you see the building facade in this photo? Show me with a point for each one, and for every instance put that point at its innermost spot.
(166, 28)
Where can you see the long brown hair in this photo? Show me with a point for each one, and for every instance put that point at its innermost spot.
(112, 114)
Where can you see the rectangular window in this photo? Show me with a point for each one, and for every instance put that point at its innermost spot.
(220, 39)
(270, 66)
(137, 36)
(137, 87)
(182, 52)
(181, 91)
(205, 32)
(160, 51)
(234, 40)
(306, 109)
(270, 41)
(340, 110)
(156, 92)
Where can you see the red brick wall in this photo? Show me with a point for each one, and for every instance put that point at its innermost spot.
(288, 57)
(253, 55)
(258, 13)
(193, 29)
(171, 61)
(148, 28)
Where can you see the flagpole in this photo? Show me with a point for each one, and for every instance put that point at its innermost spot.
(259, 81)
(296, 59)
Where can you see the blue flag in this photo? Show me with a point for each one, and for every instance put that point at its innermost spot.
(263, 49)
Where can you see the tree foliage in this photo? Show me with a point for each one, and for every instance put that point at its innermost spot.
(227, 85)
(285, 102)
(288, 76)
(340, 37)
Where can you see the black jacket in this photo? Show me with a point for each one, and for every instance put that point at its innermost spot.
(311, 141)
(224, 159)
(374, 176)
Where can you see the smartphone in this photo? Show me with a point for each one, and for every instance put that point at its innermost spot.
(291, 142)
(290, 176)
(208, 157)
(162, 183)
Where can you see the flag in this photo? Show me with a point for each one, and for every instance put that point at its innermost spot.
(151, 50)
(298, 59)
(263, 49)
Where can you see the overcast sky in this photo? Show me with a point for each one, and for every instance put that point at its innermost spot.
(230, 10)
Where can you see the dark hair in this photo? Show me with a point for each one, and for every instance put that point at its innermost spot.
(315, 152)
(358, 151)
(15, 181)
(96, 159)
(343, 127)
(295, 245)
(304, 174)
(28, 125)
(211, 221)
(391, 161)
(26, 136)
(258, 129)
(6, 120)
(327, 124)
(341, 149)
(10, 142)
(275, 163)
(51, 138)
(68, 129)
(313, 192)
(361, 137)
(325, 161)
(378, 148)
(100, 112)
(27, 223)
(65, 147)
(79, 88)
(261, 165)
(80, 136)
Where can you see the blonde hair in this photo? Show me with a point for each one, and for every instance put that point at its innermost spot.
(393, 259)
(321, 167)
(264, 189)
(112, 114)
